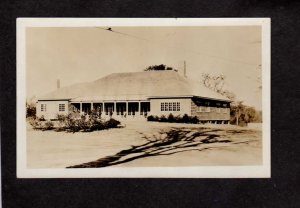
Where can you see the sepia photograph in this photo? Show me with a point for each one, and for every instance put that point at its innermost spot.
(186, 98)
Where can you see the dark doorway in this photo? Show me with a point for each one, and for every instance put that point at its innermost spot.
(121, 108)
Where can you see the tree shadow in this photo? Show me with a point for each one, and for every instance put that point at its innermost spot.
(168, 142)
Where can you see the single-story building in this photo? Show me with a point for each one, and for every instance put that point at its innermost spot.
(137, 95)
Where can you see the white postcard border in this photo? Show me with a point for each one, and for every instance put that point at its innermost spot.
(262, 171)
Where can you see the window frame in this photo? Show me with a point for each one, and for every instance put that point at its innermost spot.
(43, 107)
(170, 106)
(61, 107)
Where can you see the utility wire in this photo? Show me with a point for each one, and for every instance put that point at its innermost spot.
(133, 36)
(109, 29)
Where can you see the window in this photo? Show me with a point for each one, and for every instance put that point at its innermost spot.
(170, 106)
(178, 106)
(162, 106)
(43, 107)
(225, 110)
(218, 110)
(61, 107)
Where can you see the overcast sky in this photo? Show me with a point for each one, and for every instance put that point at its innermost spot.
(76, 55)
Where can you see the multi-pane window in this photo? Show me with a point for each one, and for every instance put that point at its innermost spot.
(177, 106)
(61, 107)
(219, 110)
(162, 106)
(170, 106)
(166, 106)
(43, 107)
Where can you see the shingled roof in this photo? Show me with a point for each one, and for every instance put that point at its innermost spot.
(134, 86)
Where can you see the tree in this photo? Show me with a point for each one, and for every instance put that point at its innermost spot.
(240, 114)
(160, 67)
(250, 114)
(30, 109)
(218, 84)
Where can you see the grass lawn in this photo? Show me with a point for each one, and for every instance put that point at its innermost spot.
(144, 144)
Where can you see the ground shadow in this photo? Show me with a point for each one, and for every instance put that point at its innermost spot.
(168, 142)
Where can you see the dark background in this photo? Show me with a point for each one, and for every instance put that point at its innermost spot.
(281, 190)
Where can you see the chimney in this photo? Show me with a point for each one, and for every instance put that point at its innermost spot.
(58, 84)
(184, 69)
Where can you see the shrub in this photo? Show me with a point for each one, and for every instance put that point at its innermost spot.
(48, 125)
(73, 122)
(35, 123)
(72, 126)
(61, 120)
(42, 118)
(69, 121)
(97, 125)
(82, 123)
(94, 114)
(150, 118)
(61, 117)
(177, 119)
(163, 118)
(30, 110)
(185, 119)
(171, 118)
(194, 120)
(112, 123)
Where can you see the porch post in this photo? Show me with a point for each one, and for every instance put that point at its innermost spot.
(140, 109)
(92, 106)
(103, 108)
(80, 108)
(115, 107)
(127, 108)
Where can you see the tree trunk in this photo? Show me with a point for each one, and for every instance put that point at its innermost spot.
(237, 117)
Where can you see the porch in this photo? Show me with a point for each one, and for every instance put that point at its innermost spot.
(115, 109)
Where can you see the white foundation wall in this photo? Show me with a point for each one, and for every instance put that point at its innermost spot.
(185, 106)
(52, 109)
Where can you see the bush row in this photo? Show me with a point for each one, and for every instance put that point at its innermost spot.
(73, 123)
(36, 123)
(174, 119)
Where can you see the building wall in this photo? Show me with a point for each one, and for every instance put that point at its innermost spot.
(213, 115)
(185, 106)
(52, 109)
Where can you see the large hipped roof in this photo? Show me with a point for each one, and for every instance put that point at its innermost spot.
(134, 86)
